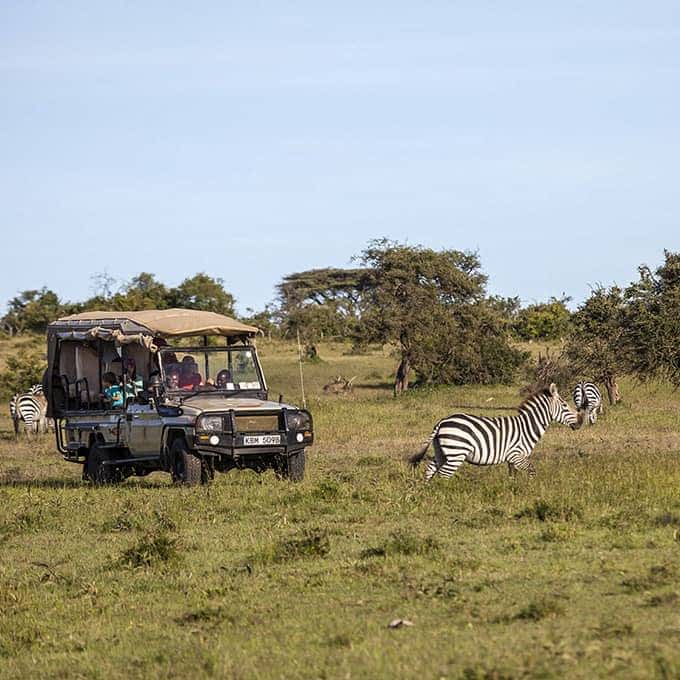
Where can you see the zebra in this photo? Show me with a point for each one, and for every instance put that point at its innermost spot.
(31, 407)
(588, 398)
(490, 441)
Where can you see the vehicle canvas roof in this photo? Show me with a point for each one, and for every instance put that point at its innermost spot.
(164, 323)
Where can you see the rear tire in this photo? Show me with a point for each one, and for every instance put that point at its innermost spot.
(187, 469)
(293, 467)
(95, 469)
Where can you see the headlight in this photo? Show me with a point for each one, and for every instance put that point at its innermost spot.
(298, 420)
(209, 423)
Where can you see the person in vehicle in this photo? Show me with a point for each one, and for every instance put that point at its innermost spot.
(170, 363)
(134, 384)
(222, 379)
(112, 392)
(172, 379)
(189, 377)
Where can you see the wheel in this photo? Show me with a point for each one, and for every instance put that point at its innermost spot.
(95, 469)
(187, 468)
(293, 467)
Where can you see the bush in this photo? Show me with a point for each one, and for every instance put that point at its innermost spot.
(22, 370)
(544, 321)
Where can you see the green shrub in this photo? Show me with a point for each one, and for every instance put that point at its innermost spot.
(151, 549)
(22, 370)
(309, 543)
(402, 542)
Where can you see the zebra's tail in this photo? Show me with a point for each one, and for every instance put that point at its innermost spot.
(416, 458)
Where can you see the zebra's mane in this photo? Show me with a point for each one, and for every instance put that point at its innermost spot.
(532, 394)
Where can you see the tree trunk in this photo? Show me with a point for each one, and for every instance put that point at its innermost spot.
(612, 390)
(401, 379)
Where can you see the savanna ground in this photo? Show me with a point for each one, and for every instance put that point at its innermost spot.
(574, 573)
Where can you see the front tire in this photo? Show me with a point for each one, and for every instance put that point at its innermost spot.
(187, 469)
(96, 470)
(293, 467)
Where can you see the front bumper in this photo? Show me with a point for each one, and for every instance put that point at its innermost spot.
(233, 445)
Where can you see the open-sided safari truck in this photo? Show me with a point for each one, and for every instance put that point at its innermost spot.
(187, 409)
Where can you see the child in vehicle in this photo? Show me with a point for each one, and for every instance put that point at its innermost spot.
(112, 391)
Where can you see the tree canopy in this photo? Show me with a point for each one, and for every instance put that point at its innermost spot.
(432, 306)
(32, 310)
(634, 330)
(322, 302)
(543, 320)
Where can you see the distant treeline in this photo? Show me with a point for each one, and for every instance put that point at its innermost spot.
(433, 307)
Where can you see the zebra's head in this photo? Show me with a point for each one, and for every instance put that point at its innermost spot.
(561, 412)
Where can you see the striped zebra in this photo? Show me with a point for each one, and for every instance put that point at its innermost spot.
(588, 398)
(490, 441)
(31, 407)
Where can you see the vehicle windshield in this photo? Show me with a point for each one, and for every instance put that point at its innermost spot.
(210, 368)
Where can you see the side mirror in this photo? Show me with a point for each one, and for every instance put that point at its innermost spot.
(155, 385)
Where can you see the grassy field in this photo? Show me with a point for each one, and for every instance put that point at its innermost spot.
(574, 573)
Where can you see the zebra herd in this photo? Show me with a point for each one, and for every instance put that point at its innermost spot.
(482, 440)
(30, 408)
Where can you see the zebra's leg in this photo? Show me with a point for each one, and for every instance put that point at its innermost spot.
(431, 470)
(437, 462)
(525, 464)
(453, 462)
(512, 471)
(520, 461)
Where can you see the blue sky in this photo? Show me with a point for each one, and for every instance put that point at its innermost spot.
(251, 141)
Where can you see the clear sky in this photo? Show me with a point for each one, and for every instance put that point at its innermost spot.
(252, 140)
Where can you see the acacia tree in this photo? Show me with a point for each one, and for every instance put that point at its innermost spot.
(321, 302)
(597, 347)
(432, 305)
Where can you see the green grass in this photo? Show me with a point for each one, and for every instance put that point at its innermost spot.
(574, 573)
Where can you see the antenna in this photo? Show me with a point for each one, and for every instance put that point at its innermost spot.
(302, 380)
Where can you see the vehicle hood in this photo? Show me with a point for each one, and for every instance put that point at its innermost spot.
(212, 403)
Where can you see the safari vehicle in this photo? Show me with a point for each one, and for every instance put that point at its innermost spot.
(187, 409)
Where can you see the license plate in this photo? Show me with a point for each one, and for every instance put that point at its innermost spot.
(261, 440)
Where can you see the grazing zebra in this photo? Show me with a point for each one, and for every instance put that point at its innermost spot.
(588, 398)
(489, 441)
(31, 407)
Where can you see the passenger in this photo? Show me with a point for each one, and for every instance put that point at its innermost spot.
(189, 378)
(172, 380)
(112, 391)
(169, 358)
(222, 379)
(116, 367)
(170, 362)
(134, 384)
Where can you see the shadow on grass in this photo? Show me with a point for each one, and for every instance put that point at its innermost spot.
(47, 483)
(72, 483)
(375, 386)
